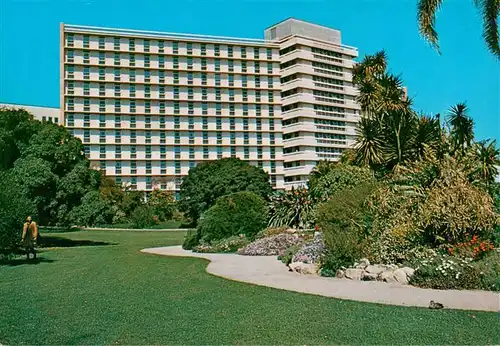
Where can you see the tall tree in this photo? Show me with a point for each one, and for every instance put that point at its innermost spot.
(461, 128)
(488, 160)
(489, 9)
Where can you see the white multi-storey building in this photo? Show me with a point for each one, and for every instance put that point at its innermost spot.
(148, 106)
(318, 99)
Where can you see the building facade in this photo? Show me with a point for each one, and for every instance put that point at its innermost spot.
(48, 114)
(148, 106)
(318, 98)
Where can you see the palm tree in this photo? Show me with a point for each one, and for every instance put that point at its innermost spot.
(462, 128)
(369, 142)
(427, 137)
(490, 11)
(399, 137)
(488, 157)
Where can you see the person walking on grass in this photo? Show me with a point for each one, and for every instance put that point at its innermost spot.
(30, 234)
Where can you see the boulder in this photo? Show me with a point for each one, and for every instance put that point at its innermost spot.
(408, 271)
(354, 274)
(375, 269)
(363, 263)
(340, 274)
(369, 276)
(387, 276)
(304, 268)
(400, 276)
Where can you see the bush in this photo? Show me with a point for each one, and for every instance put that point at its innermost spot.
(190, 240)
(162, 203)
(231, 244)
(270, 231)
(344, 221)
(143, 217)
(446, 272)
(232, 215)
(489, 271)
(289, 253)
(336, 177)
(210, 180)
(292, 208)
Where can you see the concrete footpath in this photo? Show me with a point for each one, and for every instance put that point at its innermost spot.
(268, 271)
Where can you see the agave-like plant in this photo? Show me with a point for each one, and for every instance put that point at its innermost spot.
(487, 157)
(292, 208)
(369, 142)
(461, 128)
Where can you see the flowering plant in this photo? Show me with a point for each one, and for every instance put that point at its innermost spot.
(473, 248)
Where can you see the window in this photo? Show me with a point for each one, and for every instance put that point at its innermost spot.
(147, 122)
(147, 91)
(204, 109)
(270, 96)
(161, 76)
(219, 138)
(190, 108)
(162, 121)
(117, 106)
(71, 104)
(257, 95)
(203, 79)
(86, 41)
(244, 95)
(231, 94)
(246, 153)
(217, 79)
(163, 167)
(118, 121)
(131, 75)
(269, 54)
(243, 66)
(243, 52)
(189, 48)
(176, 77)
(117, 74)
(271, 125)
(177, 122)
(133, 154)
(258, 110)
(219, 152)
(148, 156)
(116, 43)
(231, 110)
(118, 167)
(218, 109)
(191, 123)
(230, 51)
(259, 125)
(204, 64)
(102, 105)
(177, 108)
(147, 76)
(259, 138)
(191, 137)
(71, 88)
(132, 121)
(176, 92)
(177, 139)
(70, 120)
(102, 73)
(117, 59)
(163, 137)
(231, 80)
(133, 136)
(163, 151)
(216, 50)
(147, 61)
(217, 64)
(133, 166)
(102, 165)
(162, 108)
(190, 78)
(86, 137)
(147, 107)
(191, 154)
(256, 53)
(217, 94)
(175, 47)
(70, 55)
(102, 137)
(244, 81)
(233, 138)
(86, 104)
(245, 124)
(190, 63)
(131, 90)
(230, 65)
(245, 109)
(146, 46)
(269, 68)
(161, 46)
(102, 58)
(218, 123)
(102, 120)
(257, 81)
(117, 90)
(256, 67)
(204, 93)
(161, 92)
(86, 73)
(70, 40)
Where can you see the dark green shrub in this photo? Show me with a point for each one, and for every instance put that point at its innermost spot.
(292, 208)
(489, 271)
(143, 217)
(210, 180)
(235, 214)
(344, 221)
(190, 240)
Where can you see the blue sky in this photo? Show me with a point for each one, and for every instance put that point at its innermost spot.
(466, 71)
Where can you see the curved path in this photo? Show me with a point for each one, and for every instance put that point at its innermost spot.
(268, 271)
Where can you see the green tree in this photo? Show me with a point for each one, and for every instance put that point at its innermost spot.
(162, 203)
(210, 180)
(488, 159)
(489, 9)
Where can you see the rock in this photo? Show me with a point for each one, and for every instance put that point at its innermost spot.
(340, 274)
(363, 263)
(369, 276)
(408, 271)
(304, 268)
(270, 246)
(387, 276)
(311, 251)
(354, 274)
(400, 276)
(375, 269)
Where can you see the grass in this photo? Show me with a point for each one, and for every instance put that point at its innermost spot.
(103, 291)
(171, 224)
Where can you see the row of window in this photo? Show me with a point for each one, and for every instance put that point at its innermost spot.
(161, 44)
(146, 76)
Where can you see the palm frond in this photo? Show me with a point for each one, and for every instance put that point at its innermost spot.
(490, 11)
(426, 14)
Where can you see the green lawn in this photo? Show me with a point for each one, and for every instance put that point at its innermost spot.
(112, 294)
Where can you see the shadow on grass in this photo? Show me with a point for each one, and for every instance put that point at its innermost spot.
(48, 241)
(21, 261)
